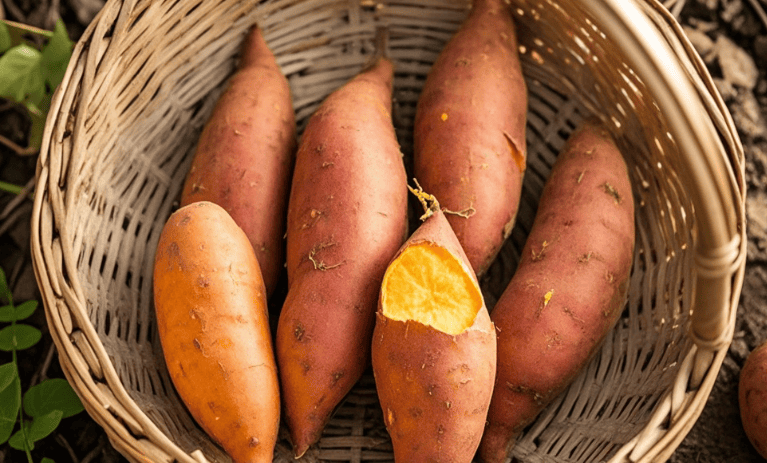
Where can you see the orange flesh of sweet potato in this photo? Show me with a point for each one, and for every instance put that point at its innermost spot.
(429, 285)
(469, 131)
(245, 154)
(569, 288)
(212, 320)
(433, 349)
(752, 398)
(347, 216)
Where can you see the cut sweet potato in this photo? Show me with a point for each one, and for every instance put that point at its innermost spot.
(434, 349)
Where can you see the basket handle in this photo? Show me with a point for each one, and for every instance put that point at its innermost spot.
(699, 121)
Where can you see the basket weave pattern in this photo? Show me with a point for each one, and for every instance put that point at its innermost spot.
(145, 76)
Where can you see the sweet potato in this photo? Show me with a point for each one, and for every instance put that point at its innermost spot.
(212, 320)
(569, 288)
(434, 349)
(347, 216)
(469, 131)
(245, 154)
(752, 398)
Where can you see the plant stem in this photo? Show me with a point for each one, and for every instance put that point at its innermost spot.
(21, 401)
(20, 150)
(26, 28)
(10, 188)
(21, 393)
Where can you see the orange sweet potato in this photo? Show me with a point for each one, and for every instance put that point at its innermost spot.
(569, 288)
(752, 398)
(347, 216)
(245, 154)
(434, 349)
(212, 320)
(469, 131)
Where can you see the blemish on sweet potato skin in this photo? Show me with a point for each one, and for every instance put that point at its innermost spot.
(298, 331)
(610, 190)
(335, 377)
(537, 255)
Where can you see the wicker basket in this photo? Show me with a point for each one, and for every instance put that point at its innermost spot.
(143, 79)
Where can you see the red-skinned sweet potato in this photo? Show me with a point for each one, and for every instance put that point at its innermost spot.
(245, 154)
(469, 131)
(347, 216)
(569, 288)
(434, 349)
(212, 320)
(752, 398)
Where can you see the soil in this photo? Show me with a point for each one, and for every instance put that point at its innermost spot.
(731, 36)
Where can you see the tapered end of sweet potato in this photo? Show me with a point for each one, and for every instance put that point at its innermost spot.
(300, 449)
(381, 69)
(255, 50)
(495, 445)
(428, 284)
(303, 432)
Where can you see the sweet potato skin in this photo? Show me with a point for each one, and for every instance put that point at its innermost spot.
(245, 154)
(569, 288)
(434, 388)
(212, 320)
(752, 398)
(347, 216)
(469, 131)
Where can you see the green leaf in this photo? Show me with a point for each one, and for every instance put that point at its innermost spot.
(10, 403)
(9, 313)
(25, 309)
(21, 77)
(8, 372)
(52, 394)
(17, 439)
(37, 116)
(47, 460)
(5, 293)
(19, 337)
(43, 426)
(5, 38)
(55, 56)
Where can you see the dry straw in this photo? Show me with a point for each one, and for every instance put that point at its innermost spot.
(143, 79)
